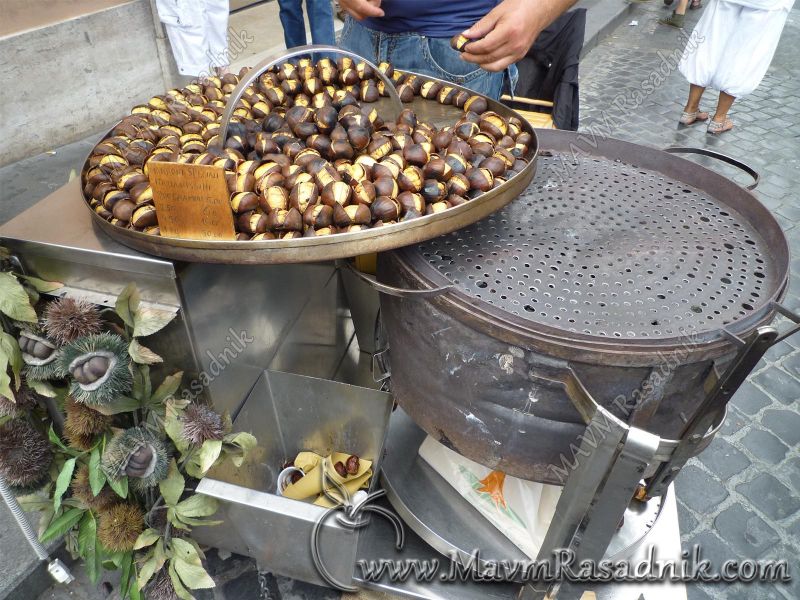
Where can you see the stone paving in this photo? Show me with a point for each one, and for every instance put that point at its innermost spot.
(741, 498)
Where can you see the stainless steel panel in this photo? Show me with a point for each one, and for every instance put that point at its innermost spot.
(289, 413)
(364, 303)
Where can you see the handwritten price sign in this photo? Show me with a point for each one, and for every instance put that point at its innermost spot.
(192, 201)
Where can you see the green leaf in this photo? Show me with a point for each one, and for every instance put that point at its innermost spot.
(120, 486)
(197, 505)
(14, 354)
(121, 404)
(5, 379)
(174, 429)
(142, 354)
(97, 477)
(113, 561)
(167, 388)
(193, 576)
(245, 441)
(128, 303)
(147, 320)
(172, 517)
(54, 439)
(62, 524)
(90, 549)
(34, 503)
(63, 481)
(125, 576)
(183, 550)
(14, 301)
(180, 590)
(40, 285)
(191, 522)
(147, 538)
(146, 572)
(135, 593)
(204, 458)
(42, 388)
(172, 487)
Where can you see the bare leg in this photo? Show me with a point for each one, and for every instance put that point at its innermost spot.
(695, 94)
(723, 106)
(681, 8)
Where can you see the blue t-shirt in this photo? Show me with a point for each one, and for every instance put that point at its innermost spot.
(432, 18)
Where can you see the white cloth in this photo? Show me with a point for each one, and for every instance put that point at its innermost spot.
(734, 46)
(198, 33)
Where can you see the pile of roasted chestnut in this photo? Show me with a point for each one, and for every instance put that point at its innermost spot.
(306, 153)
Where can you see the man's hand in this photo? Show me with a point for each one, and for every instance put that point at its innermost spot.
(361, 9)
(509, 30)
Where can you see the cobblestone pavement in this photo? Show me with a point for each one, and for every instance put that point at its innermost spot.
(741, 497)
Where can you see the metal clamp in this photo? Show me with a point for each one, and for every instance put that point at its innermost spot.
(395, 291)
(722, 157)
(267, 64)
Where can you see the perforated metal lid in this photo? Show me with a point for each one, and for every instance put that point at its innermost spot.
(599, 247)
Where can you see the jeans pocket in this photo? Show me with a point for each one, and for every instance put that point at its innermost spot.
(447, 62)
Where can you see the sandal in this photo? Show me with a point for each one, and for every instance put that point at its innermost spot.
(695, 4)
(715, 127)
(675, 20)
(668, 2)
(688, 118)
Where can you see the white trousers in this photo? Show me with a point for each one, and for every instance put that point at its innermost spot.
(198, 33)
(735, 46)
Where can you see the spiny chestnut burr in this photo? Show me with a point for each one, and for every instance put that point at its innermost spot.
(458, 184)
(285, 220)
(254, 222)
(459, 42)
(318, 215)
(242, 202)
(416, 154)
(386, 186)
(274, 197)
(385, 209)
(336, 192)
(410, 180)
(436, 168)
(353, 214)
(480, 179)
(433, 190)
(364, 192)
(410, 201)
(303, 195)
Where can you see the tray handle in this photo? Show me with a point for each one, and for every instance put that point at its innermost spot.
(268, 63)
(391, 290)
(722, 157)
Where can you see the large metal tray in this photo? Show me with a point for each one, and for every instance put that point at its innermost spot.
(343, 245)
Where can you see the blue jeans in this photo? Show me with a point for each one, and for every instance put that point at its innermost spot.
(320, 18)
(424, 55)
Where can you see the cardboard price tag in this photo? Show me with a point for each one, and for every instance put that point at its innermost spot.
(192, 201)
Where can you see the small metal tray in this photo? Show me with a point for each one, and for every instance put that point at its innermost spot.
(343, 245)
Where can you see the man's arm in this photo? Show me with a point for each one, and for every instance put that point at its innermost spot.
(509, 30)
(361, 9)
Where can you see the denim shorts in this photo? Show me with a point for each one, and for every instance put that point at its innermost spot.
(424, 55)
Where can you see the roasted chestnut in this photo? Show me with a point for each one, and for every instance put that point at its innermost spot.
(386, 186)
(336, 192)
(303, 195)
(411, 179)
(318, 215)
(385, 209)
(274, 197)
